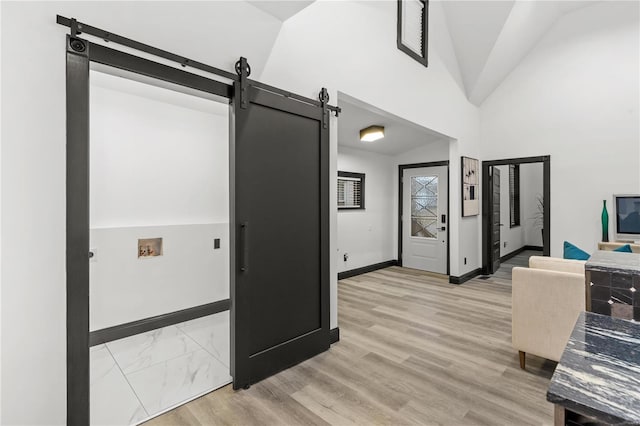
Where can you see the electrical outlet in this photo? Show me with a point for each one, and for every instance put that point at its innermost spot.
(346, 257)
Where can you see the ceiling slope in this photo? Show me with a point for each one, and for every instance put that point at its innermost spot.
(490, 38)
(281, 10)
(474, 27)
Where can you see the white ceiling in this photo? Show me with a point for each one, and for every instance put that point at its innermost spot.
(475, 27)
(281, 10)
(400, 135)
(490, 38)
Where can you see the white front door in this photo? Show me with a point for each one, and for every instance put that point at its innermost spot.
(425, 218)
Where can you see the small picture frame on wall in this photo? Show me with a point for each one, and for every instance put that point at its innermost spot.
(470, 186)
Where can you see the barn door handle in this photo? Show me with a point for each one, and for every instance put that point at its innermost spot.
(243, 248)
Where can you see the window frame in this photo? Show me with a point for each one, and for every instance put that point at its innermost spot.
(425, 34)
(514, 196)
(352, 175)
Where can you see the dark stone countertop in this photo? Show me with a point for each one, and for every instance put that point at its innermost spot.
(599, 372)
(614, 261)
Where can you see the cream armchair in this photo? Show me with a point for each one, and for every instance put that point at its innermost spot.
(546, 300)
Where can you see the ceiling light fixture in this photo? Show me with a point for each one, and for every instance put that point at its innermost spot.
(372, 133)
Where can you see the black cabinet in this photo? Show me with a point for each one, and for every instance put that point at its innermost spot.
(613, 284)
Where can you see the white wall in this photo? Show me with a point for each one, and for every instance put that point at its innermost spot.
(359, 57)
(126, 288)
(367, 235)
(528, 232)
(511, 239)
(575, 97)
(158, 157)
(531, 186)
(1, 103)
(159, 167)
(33, 166)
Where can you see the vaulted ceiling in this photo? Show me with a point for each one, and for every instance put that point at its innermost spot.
(489, 38)
(281, 9)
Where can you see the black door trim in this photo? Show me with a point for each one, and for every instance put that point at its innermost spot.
(77, 244)
(79, 54)
(546, 184)
(401, 169)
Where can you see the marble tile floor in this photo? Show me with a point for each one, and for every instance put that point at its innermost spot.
(139, 377)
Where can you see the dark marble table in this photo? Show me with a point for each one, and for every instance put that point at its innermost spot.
(599, 373)
(613, 260)
(613, 281)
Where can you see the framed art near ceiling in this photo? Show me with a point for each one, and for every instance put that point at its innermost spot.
(470, 187)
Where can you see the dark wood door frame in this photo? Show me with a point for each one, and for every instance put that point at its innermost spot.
(401, 169)
(546, 189)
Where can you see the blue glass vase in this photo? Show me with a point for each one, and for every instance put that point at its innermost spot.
(605, 222)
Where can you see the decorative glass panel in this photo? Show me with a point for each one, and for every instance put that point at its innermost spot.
(424, 206)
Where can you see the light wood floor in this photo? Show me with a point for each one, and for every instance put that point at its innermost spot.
(413, 350)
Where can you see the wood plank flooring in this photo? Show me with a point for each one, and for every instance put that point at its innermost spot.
(414, 349)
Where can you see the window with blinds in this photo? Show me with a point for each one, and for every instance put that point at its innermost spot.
(514, 194)
(412, 28)
(350, 191)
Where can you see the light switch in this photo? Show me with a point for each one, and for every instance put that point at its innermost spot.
(216, 243)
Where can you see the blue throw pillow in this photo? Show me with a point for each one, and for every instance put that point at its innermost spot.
(573, 252)
(624, 249)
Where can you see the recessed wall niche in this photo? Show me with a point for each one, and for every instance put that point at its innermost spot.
(149, 247)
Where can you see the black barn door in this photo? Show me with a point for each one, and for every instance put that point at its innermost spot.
(494, 217)
(280, 294)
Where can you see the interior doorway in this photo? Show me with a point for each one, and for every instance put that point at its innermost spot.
(493, 225)
(423, 230)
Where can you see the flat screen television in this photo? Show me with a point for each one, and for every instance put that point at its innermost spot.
(627, 216)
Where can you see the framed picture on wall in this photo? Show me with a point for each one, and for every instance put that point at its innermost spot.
(470, 187)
